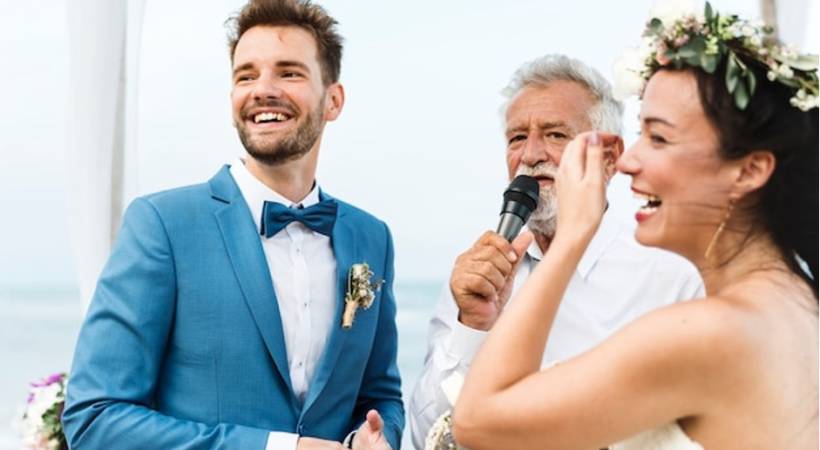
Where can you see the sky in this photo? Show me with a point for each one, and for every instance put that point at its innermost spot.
(419, 142)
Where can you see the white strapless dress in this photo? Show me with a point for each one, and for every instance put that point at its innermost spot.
(667, 437)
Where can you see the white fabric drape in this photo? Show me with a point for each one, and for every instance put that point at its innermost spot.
(103, 42)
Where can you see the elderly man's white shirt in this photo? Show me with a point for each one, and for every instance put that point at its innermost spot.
(616, 281)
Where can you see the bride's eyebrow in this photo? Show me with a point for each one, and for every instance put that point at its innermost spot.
(652, 119)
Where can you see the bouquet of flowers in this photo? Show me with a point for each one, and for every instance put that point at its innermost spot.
(41, 426)
(440, 436)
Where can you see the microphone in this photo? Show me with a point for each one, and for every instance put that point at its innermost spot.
(520, 200)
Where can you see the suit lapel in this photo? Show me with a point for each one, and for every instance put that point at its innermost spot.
(241, 238)
(345, 252)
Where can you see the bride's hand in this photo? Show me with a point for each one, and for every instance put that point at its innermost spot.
(581, 184)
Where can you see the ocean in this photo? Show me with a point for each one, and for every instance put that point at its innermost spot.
(39, 326)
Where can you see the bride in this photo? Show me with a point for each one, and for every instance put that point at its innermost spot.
(727, 163)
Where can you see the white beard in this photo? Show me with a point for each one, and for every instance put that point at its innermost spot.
(545, 217)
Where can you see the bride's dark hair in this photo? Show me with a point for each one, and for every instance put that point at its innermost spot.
(788, 206)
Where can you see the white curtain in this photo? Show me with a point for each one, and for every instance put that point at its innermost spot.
(104, 50)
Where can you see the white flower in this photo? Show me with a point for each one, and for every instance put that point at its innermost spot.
(627, 73)
(788, 52)
(648, 46)
(43, 399)
(805, 103)
(771, 75)
(756, 40)
(440, 436)
(668, 11)
(785, 71)
(735, 30)
(32, 427)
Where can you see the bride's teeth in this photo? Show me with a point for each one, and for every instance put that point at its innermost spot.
(648, 197)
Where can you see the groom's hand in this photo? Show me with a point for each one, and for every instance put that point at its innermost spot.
(370, 435)
(307, 443)
(483, 276)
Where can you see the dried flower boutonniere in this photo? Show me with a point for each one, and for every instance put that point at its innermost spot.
(360, 292)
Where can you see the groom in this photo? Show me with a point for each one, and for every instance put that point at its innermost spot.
(217, 322)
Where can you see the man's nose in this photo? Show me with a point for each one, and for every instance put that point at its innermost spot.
(267, 87)
(535, 151)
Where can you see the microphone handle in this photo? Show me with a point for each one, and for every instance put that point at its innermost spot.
(509, 226)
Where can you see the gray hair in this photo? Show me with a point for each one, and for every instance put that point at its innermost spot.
(606, 115)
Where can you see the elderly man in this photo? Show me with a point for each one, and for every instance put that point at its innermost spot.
(549, 101)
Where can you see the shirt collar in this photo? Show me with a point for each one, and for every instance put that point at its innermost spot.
(257, 193)
(606, 234)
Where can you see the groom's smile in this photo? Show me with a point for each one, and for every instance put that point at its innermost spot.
(278, 94)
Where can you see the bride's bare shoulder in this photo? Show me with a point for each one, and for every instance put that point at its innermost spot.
(710, 335)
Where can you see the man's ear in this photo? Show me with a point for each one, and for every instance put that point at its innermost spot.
(334, 101)
(611, 155)
(754, 171)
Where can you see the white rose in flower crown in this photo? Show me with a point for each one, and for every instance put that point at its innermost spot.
(669, 11)
(627, 73)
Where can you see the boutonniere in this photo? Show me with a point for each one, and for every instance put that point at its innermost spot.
(360, 292)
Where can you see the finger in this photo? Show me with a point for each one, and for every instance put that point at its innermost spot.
(498, 242)
(609, 139)
(497, 258)
(489, 272)
(522, 242)
(572, 161)
(594, 158)
(374, 421)
(473, 284)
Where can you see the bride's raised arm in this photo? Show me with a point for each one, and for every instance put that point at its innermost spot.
(628, 384)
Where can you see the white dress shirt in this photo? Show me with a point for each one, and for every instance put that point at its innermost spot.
(303, 270)
(616, 281)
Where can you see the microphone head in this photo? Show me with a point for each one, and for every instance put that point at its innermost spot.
(524, 191)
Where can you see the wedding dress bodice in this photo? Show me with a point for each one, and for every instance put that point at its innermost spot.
(667, 437)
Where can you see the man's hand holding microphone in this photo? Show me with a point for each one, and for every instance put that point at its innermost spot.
(482, 278)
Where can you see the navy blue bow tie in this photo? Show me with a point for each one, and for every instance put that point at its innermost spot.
(319, 217)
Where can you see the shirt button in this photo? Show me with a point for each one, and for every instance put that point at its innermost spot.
(299, 364)
(304, 304)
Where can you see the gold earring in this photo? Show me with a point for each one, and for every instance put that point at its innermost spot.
(720, 228)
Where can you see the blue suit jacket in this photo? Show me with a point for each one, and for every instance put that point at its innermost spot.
(183, 347)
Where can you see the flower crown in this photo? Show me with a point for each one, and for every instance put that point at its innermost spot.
(684, 38)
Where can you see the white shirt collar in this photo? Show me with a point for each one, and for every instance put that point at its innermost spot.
(607, 232)
(257, 193)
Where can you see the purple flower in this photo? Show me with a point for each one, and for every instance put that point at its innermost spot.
(49, 380)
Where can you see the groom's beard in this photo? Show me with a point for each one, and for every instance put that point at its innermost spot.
(289, 147)
(545, 217)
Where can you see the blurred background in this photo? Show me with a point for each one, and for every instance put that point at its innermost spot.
(419, 142)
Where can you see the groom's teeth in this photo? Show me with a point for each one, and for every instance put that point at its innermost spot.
(268, 117)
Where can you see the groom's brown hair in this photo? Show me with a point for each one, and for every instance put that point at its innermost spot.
(298, 13)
